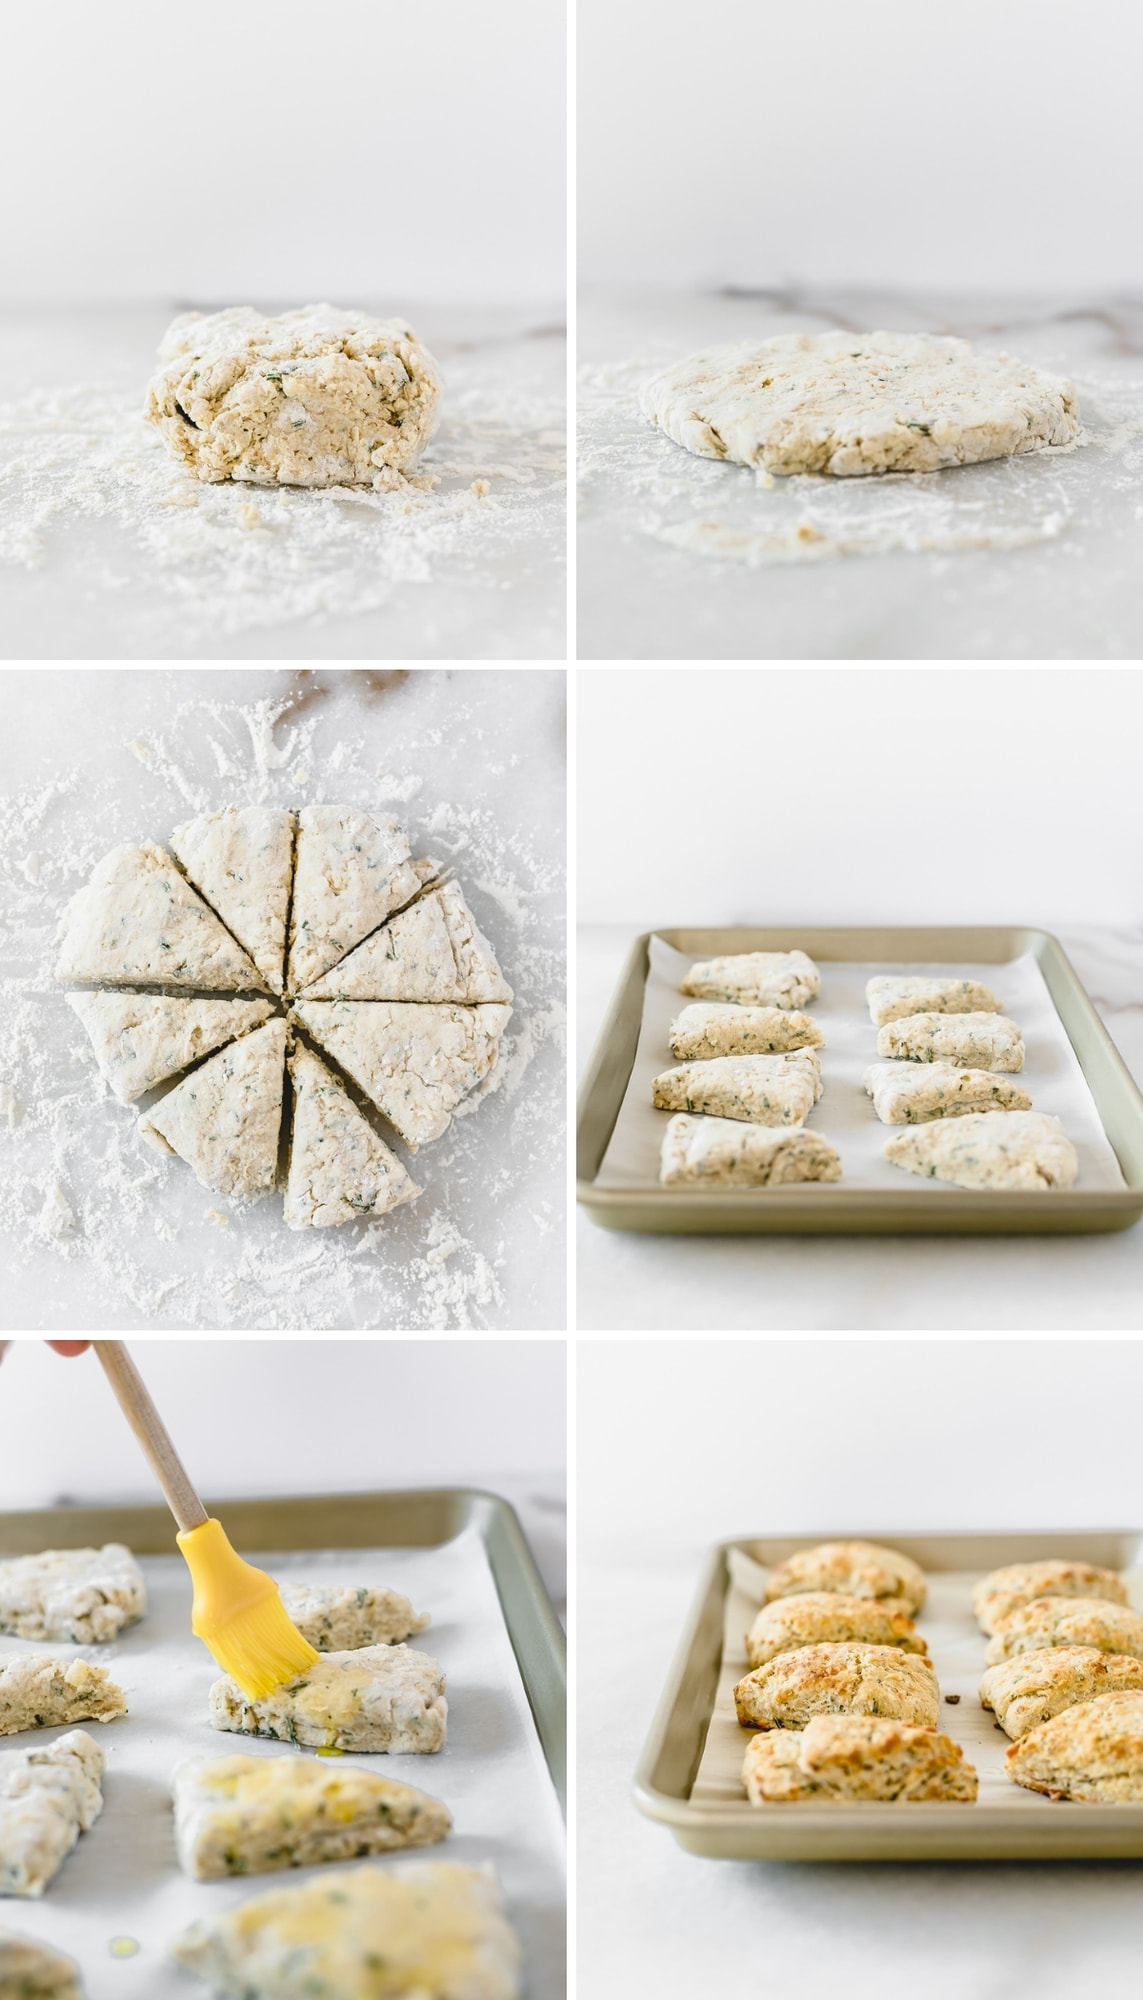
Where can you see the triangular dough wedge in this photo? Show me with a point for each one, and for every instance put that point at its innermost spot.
(433, 951)
(242, 860)
(140, 1039)
(225, 1120)
(415, 1063)
(351, 871)
(339, 1168)
(138, 919)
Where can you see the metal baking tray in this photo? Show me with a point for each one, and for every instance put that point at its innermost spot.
(838, 1210)
(1032, 1828)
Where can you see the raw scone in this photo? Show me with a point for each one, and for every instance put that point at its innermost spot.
(857, 1569)
(432, 951)
(904, 1094)
(415, 1063)
(989, 1149)
(248, 1815)
(848, 404)
(339, 1168)
(971, 1041)
(315, 397)
(828, 1617)
(376, 1698)
(33, 1971)
(840, 1679)
(351, 871)
(763, 1090)
(725, 1152)
(225, 1119)
(339, 1618)
(241, 860)
(47, 1799)
(1092, 1751)
(41, 1691)
(855, 1757)
(141, 1039)
(1007, 1589)
(1067, 1621)
(85, 1595)
(434, 1931)
(1032, 1687)
(893, 999)
(757, 978)
(138, 921)
(741, 1031)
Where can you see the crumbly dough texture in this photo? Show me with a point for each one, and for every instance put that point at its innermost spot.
(375, 1698)
(138, 922)
(416, 1063)
(339, 1168)
(433, 952)
(763, 1090)
(1032, 1687)
(225, 1119)
(30, 1970)
(1067, 1621)
(741, 1031)
(725, 1152)
(433, 1931)
(972, 1041)
(855, 1568)
(756, 978)
(894, 999)
(83, 1595)
(48, 1797)
(849, 404)
(249, 1815)
(351, 870)
(828, 1617)
(241, 861)
(989, 1149)
(315, 397)
(141, 1039)
(838, 1679)
(1008, 1589)
(1092, 1751)
(904, 1094)
(338, 1618)
(856, 1757)
(41, 1691)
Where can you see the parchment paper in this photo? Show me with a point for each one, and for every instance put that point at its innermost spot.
(122, 1879)
(845, 1115)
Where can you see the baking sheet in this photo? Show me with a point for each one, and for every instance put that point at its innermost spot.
(845, 1115)
(122, 1880)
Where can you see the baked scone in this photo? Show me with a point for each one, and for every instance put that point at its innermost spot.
(856, 1757)
(858, 1569)
(1005, 1590)
(972, 1041)
(433, 951)
(141, 1039)
(41, 1691)
(339, 1169)
(249, 1815)
(85, 1595)
(414, 1062)
(727, 1152)
(906, 1095)
(30, 1970)
(1032, 1687)
(989, 1149)
(48, 1797)
(841, 1679)
(756, 978)
(375, 1698)
(241, 861)
(1067, 1621)
(741, 1031)
(827, 1617)
(341, 1618)
(761, 1090)
(894, 999)
(1092, 1751)
(225, 1119)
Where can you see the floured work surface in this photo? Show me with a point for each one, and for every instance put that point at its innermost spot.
(122, 1885)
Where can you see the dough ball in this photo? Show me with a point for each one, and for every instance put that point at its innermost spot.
(849, 404)
(316, 397)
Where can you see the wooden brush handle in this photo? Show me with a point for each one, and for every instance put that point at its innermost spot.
(151, 1432)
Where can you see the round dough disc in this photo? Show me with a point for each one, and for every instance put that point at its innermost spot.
(850, 404)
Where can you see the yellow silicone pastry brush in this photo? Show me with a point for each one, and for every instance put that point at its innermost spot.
(237, 1611)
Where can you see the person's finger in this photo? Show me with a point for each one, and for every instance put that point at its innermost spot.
(70, 1347)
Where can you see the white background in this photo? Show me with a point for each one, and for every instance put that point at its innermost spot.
(992, 145)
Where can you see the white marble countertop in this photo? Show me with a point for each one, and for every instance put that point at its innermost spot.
(836, 1283)
(1063, 533)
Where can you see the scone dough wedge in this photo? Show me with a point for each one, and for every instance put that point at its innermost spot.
(856, 1757)
(839, 1679)
(375, 1698)
(1092, 1751)
(1032, 1687)
(1067, 1621)
(989, 1149)
(139, 922)
(250, 1815)
(415, 1063)
(857, 1569)
(83, 1595)
(339, 1618)
(351, 871)
(432, 951)
(971, 1041)
(339, 1169)
(1007, 1589)
(48, 1797)
(225, 1119)
(908, 1094)
(756, 978)
(241, 861)
(894, 999)
(827, 1617)
(725, 1152)
(435, 1930)
(141, 1039)
(761, 1090)
(30, 1970)
(702, 1031)
(42, 1691)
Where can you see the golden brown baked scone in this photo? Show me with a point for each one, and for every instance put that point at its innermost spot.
(1005, 1590)
(1067, 1621)
(838, 1680)
(826, 1617)
(1032, 1687)
(1092, 1751)
(858, 1569)
(855, 1757)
